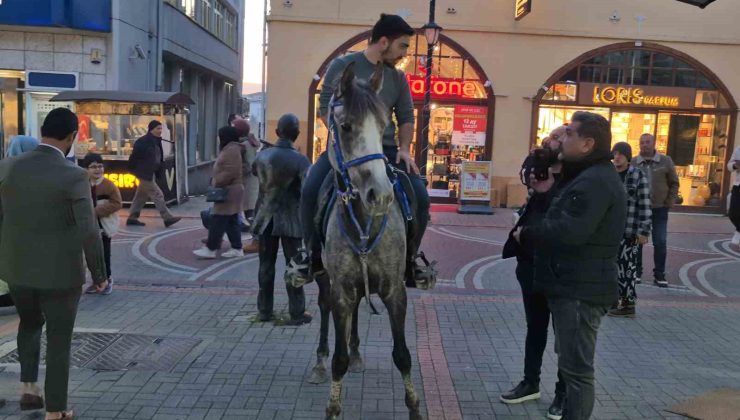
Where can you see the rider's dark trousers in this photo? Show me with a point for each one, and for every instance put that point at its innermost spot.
(310, 194)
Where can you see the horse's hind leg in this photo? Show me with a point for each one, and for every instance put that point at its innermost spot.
(396, 305)
(342, 313)
(355, 358)
(318, 374)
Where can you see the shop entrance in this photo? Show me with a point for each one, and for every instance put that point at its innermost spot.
(652, 90)
(460, 91)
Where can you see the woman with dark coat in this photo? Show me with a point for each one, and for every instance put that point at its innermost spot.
(227, 173)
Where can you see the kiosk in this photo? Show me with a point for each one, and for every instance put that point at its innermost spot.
(110, 123)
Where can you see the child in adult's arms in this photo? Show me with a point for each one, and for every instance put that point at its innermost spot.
(107, 202)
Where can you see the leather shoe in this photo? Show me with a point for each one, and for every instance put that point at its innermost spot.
(31, 402)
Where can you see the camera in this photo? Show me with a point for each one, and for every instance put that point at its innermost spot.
(538, 164)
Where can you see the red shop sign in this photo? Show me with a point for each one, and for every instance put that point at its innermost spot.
(446, 88)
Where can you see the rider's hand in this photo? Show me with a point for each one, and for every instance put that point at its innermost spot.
(101, 286)
(642, 239)
(405, 156)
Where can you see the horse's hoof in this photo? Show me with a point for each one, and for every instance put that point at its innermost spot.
(333, 411)
(318, 376)
(356, 365)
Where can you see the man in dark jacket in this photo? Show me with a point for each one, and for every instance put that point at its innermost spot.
(576, 247)
(145, 163)
(536, 310)
(280, 170)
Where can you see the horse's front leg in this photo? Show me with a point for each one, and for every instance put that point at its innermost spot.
(342, 312)
(396, 302)
(355, 358)
(319, 372)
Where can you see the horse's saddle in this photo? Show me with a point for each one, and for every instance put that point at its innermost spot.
(404, 198)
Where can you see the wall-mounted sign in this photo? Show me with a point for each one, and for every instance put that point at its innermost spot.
(642, 96)
(522, 8)
(446, 88)
(469, 125)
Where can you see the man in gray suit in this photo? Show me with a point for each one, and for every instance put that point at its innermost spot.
(281, 170)
(47, 224)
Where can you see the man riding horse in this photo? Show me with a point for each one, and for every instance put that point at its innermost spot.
(389, 44)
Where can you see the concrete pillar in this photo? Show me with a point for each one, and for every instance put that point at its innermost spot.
(210, 116)
(192, 90)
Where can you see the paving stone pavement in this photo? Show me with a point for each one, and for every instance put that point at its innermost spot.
(466, 338)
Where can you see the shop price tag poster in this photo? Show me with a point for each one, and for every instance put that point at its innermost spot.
(469, 125)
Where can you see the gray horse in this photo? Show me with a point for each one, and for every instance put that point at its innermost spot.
(365, 249)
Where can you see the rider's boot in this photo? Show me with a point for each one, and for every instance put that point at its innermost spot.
(304, 268)
(420, 273)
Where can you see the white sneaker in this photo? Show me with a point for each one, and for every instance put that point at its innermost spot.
(205, 253)
(736, 238)
(233, 253)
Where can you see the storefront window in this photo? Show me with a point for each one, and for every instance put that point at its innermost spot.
(642, 91)
(552, 117)
(111, 128)
(459, 113)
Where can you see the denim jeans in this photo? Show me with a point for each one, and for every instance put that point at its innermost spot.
(660, 242)
(538, 322)
(576, 325)
(315, 177)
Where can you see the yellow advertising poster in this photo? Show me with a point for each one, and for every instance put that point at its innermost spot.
(476, 181)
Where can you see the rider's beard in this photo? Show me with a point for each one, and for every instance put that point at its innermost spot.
(388, 58)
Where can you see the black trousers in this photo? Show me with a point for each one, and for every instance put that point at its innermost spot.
(58, 309)
(220, 224)
(538, 322)
(106, 253)
(576, 325)
(268, 252)
(735, 207)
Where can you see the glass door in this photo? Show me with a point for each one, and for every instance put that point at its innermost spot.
(629, 126)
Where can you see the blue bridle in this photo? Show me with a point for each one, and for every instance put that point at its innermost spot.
(348, 194)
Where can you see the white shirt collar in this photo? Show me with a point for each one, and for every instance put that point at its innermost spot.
(55, 148)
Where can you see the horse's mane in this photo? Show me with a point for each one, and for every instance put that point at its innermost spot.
(362, 100)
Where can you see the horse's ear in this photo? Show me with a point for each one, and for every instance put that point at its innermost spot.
(347, 78)
(376, 81)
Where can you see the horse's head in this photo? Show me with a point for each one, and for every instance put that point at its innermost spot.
(357, 119)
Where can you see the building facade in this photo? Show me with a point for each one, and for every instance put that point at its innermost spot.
(190, 46)
(667, 69)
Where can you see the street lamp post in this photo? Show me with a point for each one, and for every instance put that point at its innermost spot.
(431, 33)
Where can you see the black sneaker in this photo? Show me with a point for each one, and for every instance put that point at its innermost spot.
(172, 221)
(522, 392)
(134, 222)
(660, 282)
(555, 412)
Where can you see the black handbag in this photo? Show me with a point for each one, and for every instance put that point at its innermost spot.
(216, 195)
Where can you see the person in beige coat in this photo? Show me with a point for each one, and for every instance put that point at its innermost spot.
(227, 173)
(251, 183)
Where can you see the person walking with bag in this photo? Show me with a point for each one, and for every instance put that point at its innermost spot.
(251, 183)
(226, 194)
(145, 163)
(45, 202)
(107, 202)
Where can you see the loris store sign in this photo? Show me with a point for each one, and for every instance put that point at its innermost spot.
(446, 88)
(642, 96)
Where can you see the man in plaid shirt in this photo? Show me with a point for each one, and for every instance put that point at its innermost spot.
(637, 229)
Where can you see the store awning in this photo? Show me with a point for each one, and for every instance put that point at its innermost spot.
(171, 98)
(699, 3)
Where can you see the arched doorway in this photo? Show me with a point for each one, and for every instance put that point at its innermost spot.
(651, 89)
(459, 87)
